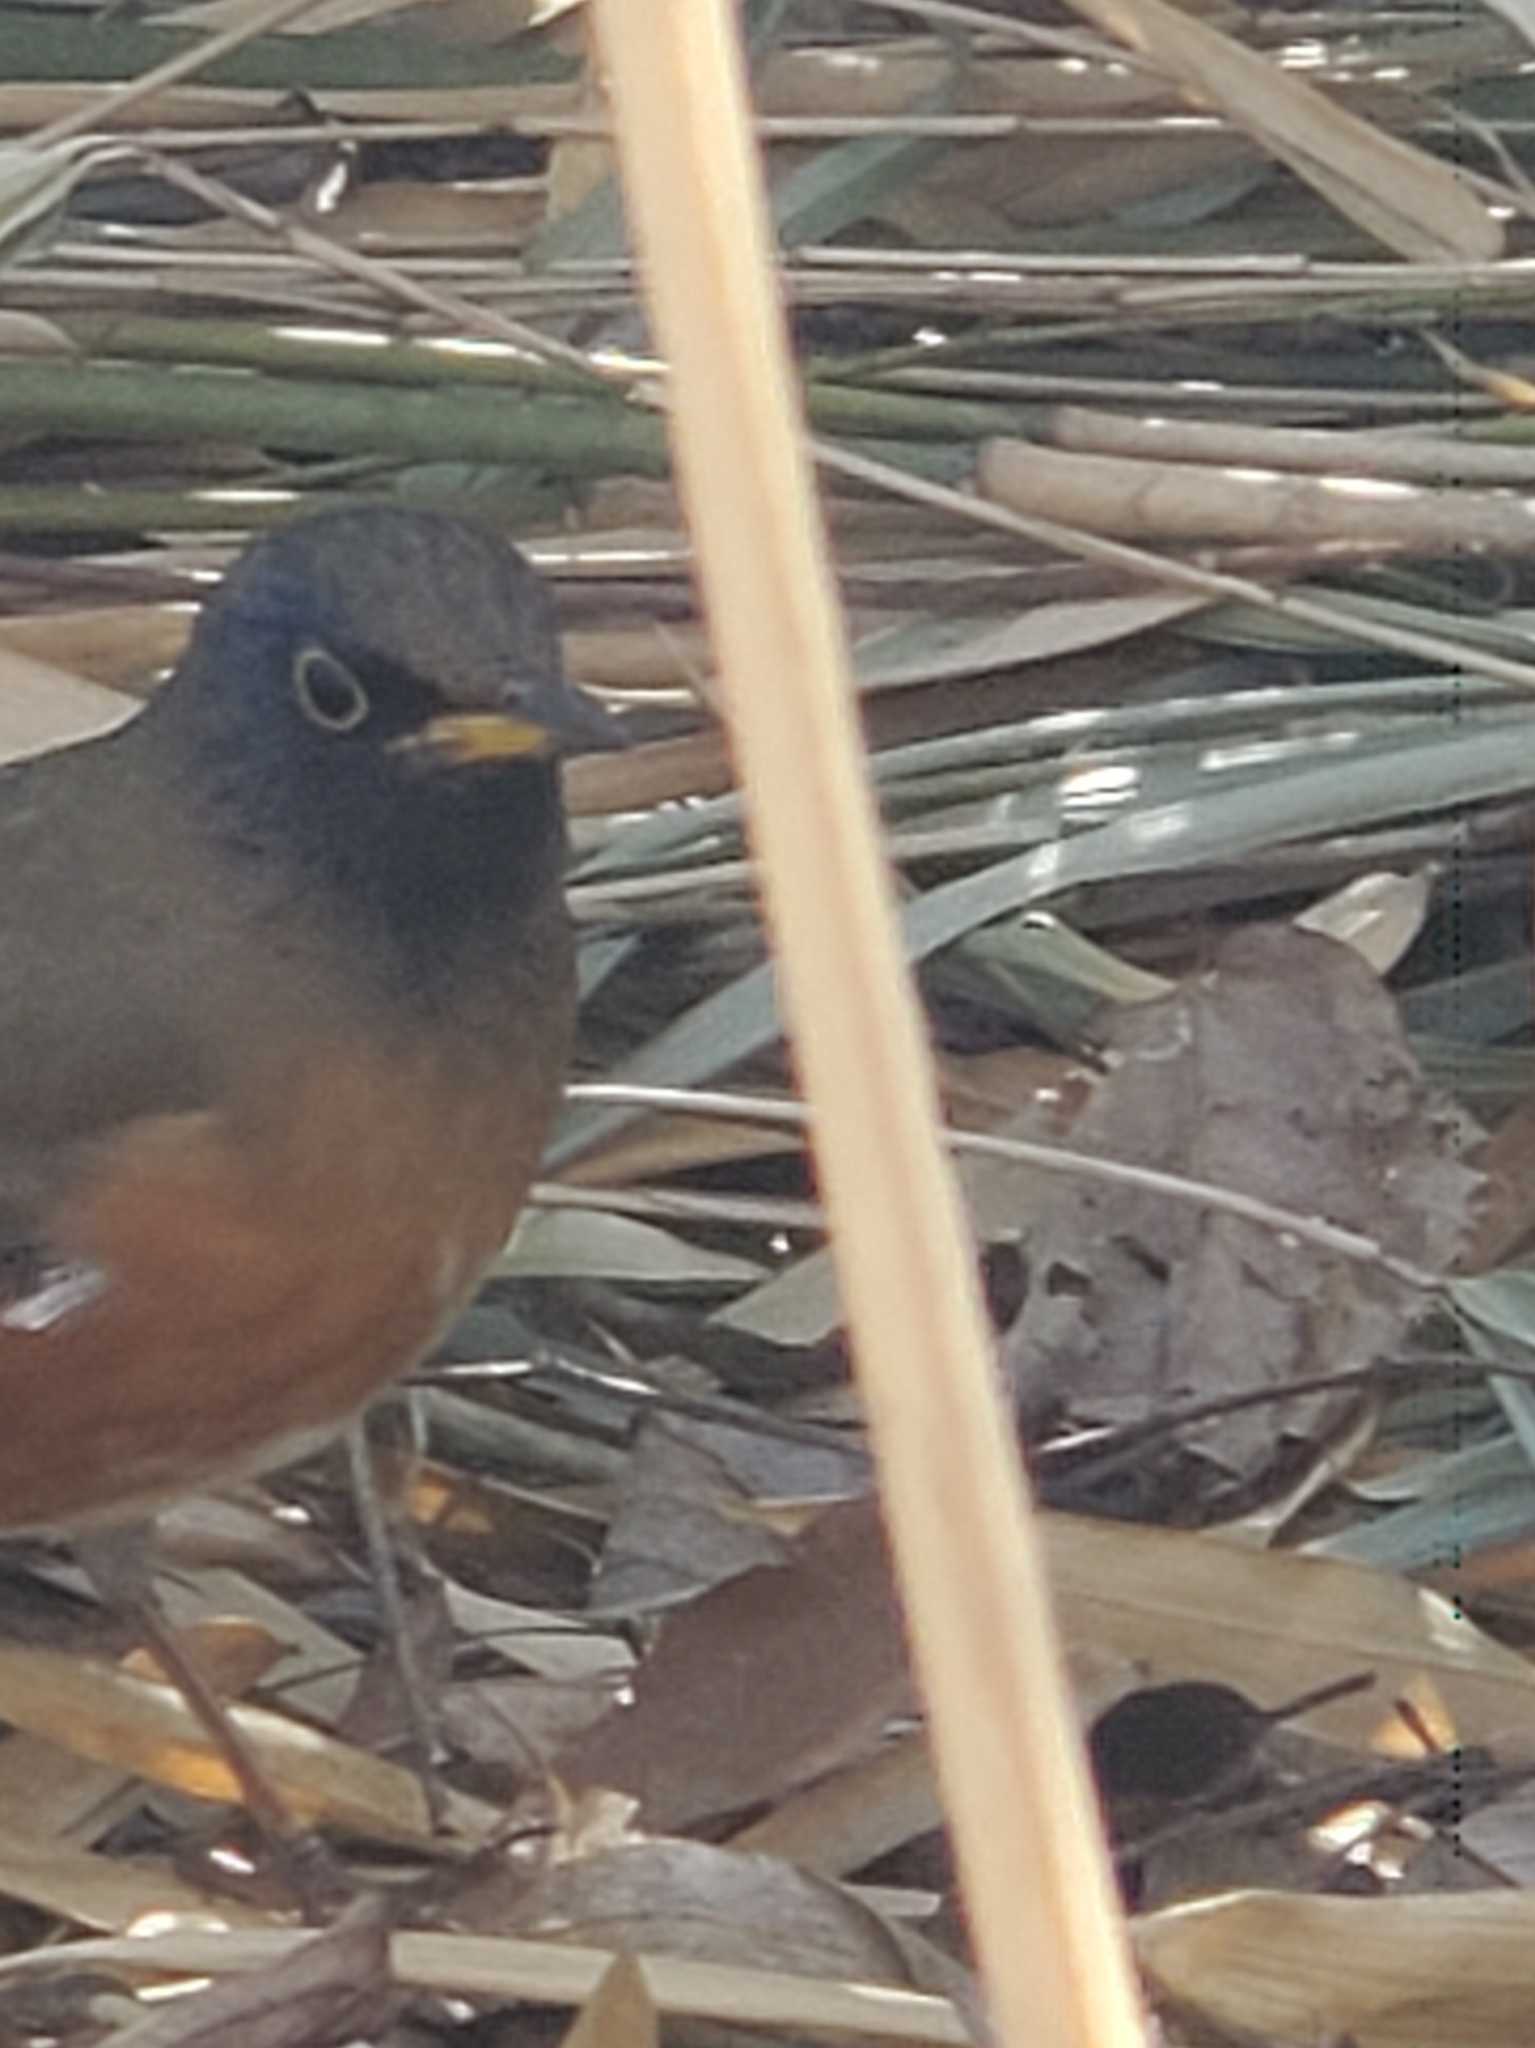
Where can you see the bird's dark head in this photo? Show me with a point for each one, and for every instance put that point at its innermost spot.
(379, 694)
(408, 640)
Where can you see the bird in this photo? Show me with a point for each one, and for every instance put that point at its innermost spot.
(286, 997)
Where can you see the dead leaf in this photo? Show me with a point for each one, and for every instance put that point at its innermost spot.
(1274, 1623)
(43, 707)
(850, 1817)
(761, 1684)
(233, 1653)
(1283, 1074)
(1447, 1971)
(1380, 915)
(116, 646)
(704, 1501)
(518, 1723)
(105, 1713)
(679, 1525)
(712, 1905)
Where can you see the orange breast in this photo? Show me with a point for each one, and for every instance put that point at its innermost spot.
(264, 1272)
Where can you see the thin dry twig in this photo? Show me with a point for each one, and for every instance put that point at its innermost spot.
(1177, 1187)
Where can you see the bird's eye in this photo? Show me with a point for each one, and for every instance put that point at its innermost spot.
(328, 693)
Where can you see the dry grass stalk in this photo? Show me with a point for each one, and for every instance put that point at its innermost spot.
(1035, 1875)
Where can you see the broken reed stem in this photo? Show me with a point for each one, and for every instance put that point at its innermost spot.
(1036, 1879)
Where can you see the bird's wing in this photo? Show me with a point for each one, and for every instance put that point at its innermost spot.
(102, 1019)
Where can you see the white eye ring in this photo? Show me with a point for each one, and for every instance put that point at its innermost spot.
(328, 693)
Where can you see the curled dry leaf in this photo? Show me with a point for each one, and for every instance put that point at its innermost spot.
(1282, 1074)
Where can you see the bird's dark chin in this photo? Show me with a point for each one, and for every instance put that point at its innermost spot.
(419, 871)
(457, 858)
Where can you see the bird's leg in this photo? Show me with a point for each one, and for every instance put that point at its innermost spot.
(117, 1564)
(420, 1711)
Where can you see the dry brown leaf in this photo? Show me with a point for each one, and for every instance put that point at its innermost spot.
(716, 1718)
(552, 1645)
(1046, 632)
(701, 1501)
(479, 1519)
(380, 1716)
(722, 1906)
(1282, 1074)
(1274, 1623)
(760, 1684)
(232, 1652)
(849, 1818)
(678, 1524)
(1442, 1971)
(49, 1794)
(117, 645)
(105, 1713)
(1378, 915)
(986, 1091)
(43, 707)
(319, 1668)
(399, 213)
(692, 1900)
(518, 1723)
